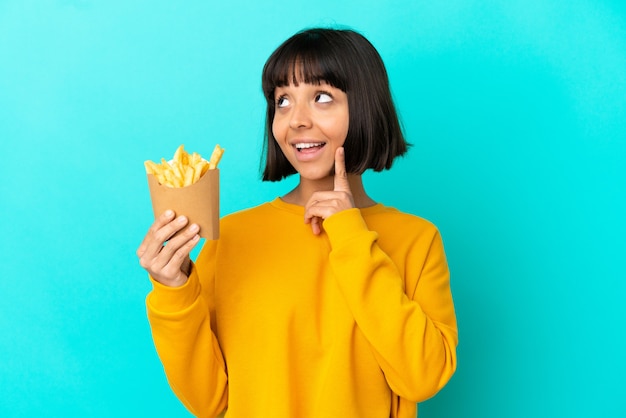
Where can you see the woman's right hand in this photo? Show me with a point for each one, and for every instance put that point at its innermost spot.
(168, 262)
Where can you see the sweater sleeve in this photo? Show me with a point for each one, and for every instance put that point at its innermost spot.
(407, 317)
(187, 347)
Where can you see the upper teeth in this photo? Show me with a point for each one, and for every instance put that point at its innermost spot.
(308, 145)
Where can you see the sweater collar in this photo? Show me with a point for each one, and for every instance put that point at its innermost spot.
(279, 203)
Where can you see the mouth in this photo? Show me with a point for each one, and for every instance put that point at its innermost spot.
(305, 147)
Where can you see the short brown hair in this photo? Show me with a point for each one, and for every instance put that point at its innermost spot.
(346, 60)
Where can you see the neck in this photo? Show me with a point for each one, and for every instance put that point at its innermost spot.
(305, 189)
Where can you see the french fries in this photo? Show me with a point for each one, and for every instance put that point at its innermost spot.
(184, 169)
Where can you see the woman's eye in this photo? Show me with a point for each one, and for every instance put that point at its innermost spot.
(282, 102)
(324, 98)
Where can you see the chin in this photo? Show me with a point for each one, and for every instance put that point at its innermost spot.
(315, 175)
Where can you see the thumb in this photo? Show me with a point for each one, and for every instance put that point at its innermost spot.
(341, 176)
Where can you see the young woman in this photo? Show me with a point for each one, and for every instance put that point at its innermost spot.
(323, 302)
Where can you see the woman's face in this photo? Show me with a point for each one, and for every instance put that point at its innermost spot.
(310, 123)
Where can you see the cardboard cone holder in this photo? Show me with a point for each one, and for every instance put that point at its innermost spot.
(200, 202)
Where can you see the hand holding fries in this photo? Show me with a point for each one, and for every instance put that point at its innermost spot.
(184, 169)
(169, 264)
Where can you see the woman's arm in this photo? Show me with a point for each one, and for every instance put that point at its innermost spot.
(187, 347)
(404, 309)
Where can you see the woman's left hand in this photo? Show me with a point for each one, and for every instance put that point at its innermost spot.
(321, 205)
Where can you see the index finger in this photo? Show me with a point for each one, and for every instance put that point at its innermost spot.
(341, 176)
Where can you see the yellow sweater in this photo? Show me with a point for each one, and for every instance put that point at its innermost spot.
(277, 322)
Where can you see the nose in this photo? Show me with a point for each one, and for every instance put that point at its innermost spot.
(300, 116)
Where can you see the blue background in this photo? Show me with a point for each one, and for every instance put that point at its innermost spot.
(516, 108)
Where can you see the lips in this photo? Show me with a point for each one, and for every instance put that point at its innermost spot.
(307, 150)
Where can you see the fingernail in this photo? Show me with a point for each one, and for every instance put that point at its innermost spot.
(181, 220)
(169, 213)
(194, 228)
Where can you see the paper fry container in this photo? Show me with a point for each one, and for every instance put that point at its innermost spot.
(200, 202)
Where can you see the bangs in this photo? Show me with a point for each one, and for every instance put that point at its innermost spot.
(309, 59)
